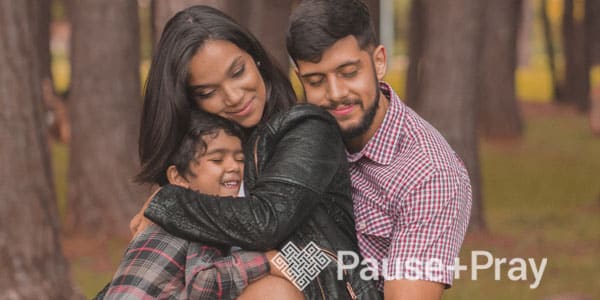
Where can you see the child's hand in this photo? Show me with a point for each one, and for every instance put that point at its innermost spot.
(139, 223)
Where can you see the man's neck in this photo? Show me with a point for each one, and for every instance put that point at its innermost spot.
(356, 144)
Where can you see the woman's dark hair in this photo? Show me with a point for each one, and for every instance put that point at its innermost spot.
(167, 104)
(192, 145)
(315, 25)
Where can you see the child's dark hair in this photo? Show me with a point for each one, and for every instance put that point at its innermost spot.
(193, 145)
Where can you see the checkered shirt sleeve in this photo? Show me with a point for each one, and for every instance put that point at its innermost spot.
(426, 241)
(157, 265)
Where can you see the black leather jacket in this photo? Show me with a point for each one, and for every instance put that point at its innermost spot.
(298, 189)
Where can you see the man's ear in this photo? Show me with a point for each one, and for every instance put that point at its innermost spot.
(175, 178)
(380, 61)
(298, 76)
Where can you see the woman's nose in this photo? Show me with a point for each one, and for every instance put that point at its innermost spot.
(233, 95)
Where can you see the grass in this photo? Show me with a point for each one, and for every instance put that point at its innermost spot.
(542, 199)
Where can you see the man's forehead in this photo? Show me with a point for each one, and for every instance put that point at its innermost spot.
(342, 52)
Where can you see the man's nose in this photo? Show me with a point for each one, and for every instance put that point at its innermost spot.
(336, 89)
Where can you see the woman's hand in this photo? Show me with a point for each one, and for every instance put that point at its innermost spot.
(275, 271)
(139, 223)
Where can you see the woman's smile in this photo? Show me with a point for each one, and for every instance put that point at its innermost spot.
(243, 110)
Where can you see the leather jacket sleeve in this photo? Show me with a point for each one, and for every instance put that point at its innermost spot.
(290, 184)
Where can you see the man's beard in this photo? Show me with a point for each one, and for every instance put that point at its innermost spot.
(366, 121)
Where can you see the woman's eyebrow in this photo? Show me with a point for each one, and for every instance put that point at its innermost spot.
(230, 70)
(234, 63)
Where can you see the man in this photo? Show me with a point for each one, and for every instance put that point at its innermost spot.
(411, 192)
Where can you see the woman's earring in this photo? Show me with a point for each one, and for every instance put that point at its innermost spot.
(258, 63)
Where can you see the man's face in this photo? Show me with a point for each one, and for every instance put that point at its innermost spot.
(345, 83)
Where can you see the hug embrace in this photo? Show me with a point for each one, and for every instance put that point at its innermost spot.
(351, 168)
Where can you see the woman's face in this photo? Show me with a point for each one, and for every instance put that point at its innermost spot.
(224, 80)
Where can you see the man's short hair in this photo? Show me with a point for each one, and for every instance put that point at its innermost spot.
(315, 25)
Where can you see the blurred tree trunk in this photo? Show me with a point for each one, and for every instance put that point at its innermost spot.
(163, 10)
(31, 259)
(592, 25)
(374, 6)
(58, 123)
(577, 63)
(550, 53)
(499, 115)
(415, 32)
(525, 33)
(592, 19)
(448, 68)
(105, 106)
(268, 21)
(42, 19)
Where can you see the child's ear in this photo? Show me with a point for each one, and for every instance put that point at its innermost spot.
(175, 178)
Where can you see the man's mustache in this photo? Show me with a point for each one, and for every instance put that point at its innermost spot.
(334, 106)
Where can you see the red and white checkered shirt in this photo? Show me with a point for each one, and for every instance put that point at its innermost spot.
(412, 197)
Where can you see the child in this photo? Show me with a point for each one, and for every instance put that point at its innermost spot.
(158, 265)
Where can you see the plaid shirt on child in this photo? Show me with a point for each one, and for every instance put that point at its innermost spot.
(157, 265)
(412, 197)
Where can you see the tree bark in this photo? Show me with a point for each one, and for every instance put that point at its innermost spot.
(105, 109)
(31, 259)
(577, 63)
(42, 19)
(525, 33)
(450, 46)
(374, 6)
(415, 32)
(499, 115)
(163, 10)
(550, 53)
(268, 21)
(592, 25)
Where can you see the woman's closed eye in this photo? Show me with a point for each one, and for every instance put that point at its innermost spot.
(204, 94)
(238, 72)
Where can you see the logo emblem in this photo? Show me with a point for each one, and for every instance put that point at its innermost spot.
(301, 266)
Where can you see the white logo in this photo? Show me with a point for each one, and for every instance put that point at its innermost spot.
(301, 266)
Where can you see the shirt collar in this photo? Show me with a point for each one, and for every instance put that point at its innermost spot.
(381, 148)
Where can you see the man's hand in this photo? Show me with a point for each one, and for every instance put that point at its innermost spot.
(139, 223)
(412, 289)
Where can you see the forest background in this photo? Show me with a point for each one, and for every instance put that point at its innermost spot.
(514, 85)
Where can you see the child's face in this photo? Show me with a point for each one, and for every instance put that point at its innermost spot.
(219, 171)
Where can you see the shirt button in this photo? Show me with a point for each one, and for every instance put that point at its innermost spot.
(362, 226)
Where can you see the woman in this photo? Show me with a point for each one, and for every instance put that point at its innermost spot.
(297, 181)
